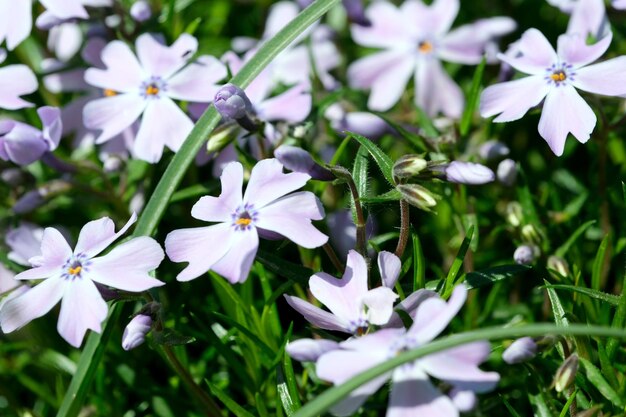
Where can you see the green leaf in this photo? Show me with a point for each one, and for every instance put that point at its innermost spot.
(359, 174)
(152, 213)
(171, 337)
(328, 398)
(595, 377)
(598, 295)
(570, 400)
(232, 405)
(558, 312)
(489, 276)
(509, 407)
(598, 263)
(416, 140)
(427, 124)
(287, 389)
(561, 251)
(284, 268)
(382, 160)
(419, 263)
(389, 197)
(456, 265)
(618, 322)
(472, 98)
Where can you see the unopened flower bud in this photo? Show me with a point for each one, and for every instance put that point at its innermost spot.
(233, 103)
(464, 400)
(341, 173)
(12, 176)
(308, 350)
(514, 214)
(559, 265)
(417, 196)
(136, 331)
(30, 201)
(521, 350)
(566, 373)
(409, 166)
(592, 412)
(356, 12)
(525, 254)
(468, 173)
(531, 234)
(507, 172)
(223, 136)
(140, 11)
(298, 160)
(493, 150)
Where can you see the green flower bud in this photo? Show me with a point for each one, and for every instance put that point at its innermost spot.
(223, 136)
(566, 373)
(418, 196)
(531, 234)
(559, 265)
(409, 166)
(514, 214)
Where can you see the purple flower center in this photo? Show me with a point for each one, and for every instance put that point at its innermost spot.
(152, 88)
(559, 74)
(75, 266)
(244, 217)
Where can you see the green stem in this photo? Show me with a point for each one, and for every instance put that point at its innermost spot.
(333, 395)
(404, 228)
(172, 177)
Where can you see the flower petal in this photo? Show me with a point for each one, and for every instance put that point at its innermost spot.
(198, 247)
(434, 314)
(97, 235)
(197, 81)
(511, 100)
(574, 50)
(412, 394)
(458, 366)
(16, 22)
(220, 209)
(268, 183)
(104, 114)
(309, 350)
(127, 266)
(291, 217)
(386, 30)
(436, 91)
(34, 303)
(386, 73)
(163, 61)
(292, 106)
(163, 123)
(65, 9)
(565, 111)
(343, 296)
(318, 317)
(82, 308)
(236, 263)
(607, 78)
(434, 20)
(22, 144)
(410, 305)
(16, 81)
(54, 249)
(25, 242)
(379, 302)
(589, 18)
(389, 266)
(536, 54)
(123, 72)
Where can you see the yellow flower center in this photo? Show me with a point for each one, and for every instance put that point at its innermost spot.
(75, 270)
(425, 47)
(243, 221)
(109, 93)
(152, 90)
(558, 76)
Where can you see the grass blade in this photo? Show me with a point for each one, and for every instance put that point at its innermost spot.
(472, 98)
(456, 265)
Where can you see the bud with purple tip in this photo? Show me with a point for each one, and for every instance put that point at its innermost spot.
(525, 254)
(136, 331)
(356, 12)
(298, 160)
(467, 173)
(493, 149)
(233, 103)
(140, 11)
(521, 350)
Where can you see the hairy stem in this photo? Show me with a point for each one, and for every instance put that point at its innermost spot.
(404, 228)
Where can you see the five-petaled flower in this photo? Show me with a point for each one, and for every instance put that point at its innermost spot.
(148, 86)
(415, 38)
(71, 276)
(412, 393)
(553, 76)
(268, 208)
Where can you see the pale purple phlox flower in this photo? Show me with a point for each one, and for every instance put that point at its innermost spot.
(145, 85)
(71, 276)
(588, 17)
(268, 208)
(415, 38)
(363, 123)
(412, 393)
(554, 76)
(15, 81)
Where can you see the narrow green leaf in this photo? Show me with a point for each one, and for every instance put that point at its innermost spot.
(561, 251)
(618, 322)
(152, 213)
(607, 368)
(287, 390)
(284, 268)
(427, 124)
(558, 312)
(456, 265)
(598, 263)
(610, 299)
(382, 160)
(542, 409)
(389, 197)
(328, 398)
(359, 174)
(489, 276)
(413, 138)
(472, 98)
(595, 377)
(419, 263)
(231, 404)
(570, 400)
(247, 332)
(509, 407)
